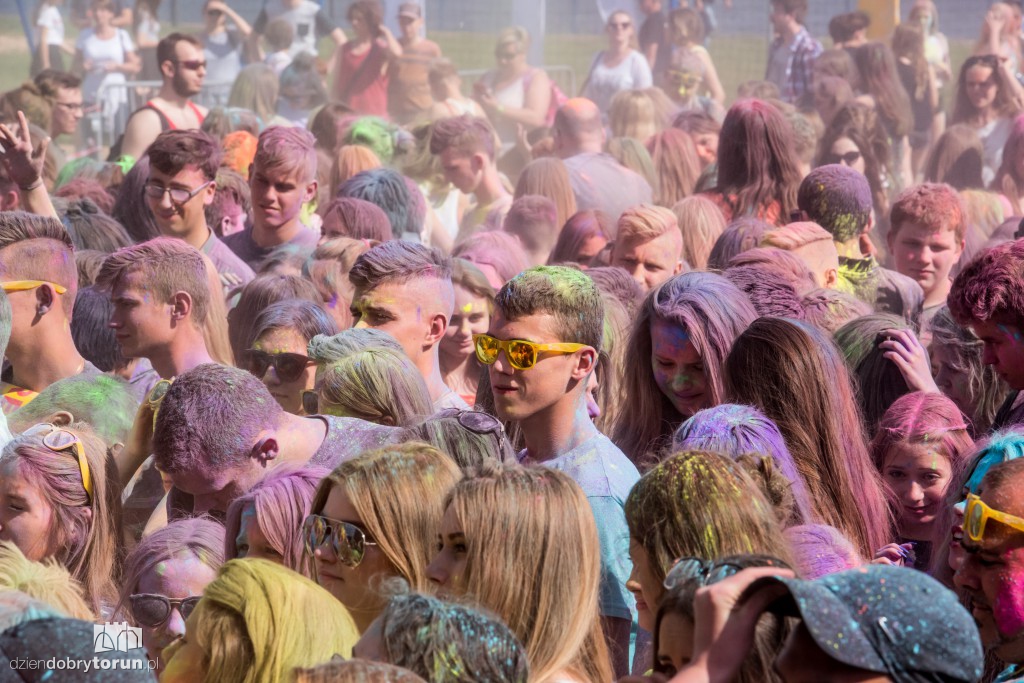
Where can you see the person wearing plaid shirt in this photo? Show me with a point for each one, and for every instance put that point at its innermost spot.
(792, 53)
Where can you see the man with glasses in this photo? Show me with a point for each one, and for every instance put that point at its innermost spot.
(183, 166)
(39, 276)
(540, 351)
(992, 573)
(64, 92)
(183, 68)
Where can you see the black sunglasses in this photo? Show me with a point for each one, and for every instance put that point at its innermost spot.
(153, 610)
(289, 366)
(849, 158)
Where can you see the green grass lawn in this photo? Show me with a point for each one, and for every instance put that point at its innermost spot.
(737, 58)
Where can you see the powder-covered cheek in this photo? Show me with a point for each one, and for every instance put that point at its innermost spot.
(1008, 605)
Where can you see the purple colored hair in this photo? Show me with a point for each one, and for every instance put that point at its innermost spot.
(734, 430)
(819, 549)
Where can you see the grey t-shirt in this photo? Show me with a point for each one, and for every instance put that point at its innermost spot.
(245, 248)
(606, 475)
(223, 52)
(600, 182)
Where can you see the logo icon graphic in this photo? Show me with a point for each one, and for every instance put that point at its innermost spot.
(116, 637)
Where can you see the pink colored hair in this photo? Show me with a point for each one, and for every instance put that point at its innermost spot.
(289, 148)
(935, 205)
(929, 419)
(280, 502)
(991, 287)
(494, 248)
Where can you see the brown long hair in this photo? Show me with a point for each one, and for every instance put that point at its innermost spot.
(713, 312)
(676, 165)
(862, 124)
(756, 160)
(1005, 105)
(881, 80)
(537, 566)
(795, 375)
(548, 177)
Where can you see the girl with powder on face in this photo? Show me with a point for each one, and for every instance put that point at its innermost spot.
(795, 375)
(173, 563)
(58, 500)
(474, 302)
(535, 566)
(674, 358)
(375, 517)
(922, 446)
(694, 504)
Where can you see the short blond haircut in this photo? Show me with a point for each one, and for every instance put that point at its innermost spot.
(47, 581)
(796, 236)
(646, 222)
(168, 265)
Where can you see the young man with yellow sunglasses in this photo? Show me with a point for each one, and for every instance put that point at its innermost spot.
(540, 351)
(38, 274)
(992, 573)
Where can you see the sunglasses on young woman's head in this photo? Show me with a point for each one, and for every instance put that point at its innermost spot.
(60, 441)
(289, 366)
(348, 541)
(521, 354)
(153, 610)
(706, 572)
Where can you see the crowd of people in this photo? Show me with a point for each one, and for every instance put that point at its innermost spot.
(734, 393)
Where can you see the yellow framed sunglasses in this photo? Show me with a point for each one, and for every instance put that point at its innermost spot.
(59, 440)
(25, 285)
(977, 515)
(521, 354)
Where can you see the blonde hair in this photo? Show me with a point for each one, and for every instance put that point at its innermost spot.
(45, 581)
(215, 327)
(796, 236)
(634, 114)
(398, 492)
(549, 178)
(701, 223)
(514, 35)
(90, 547)
(257, 621)
(701, 504)
(533, 559)
(646, 222)
(328, 269)
(376, 385)
(348, 161)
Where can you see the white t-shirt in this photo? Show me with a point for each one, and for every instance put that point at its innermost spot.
(50, 19)
(99, 52)
(309, 20)
(993, 136)
(604, 82)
